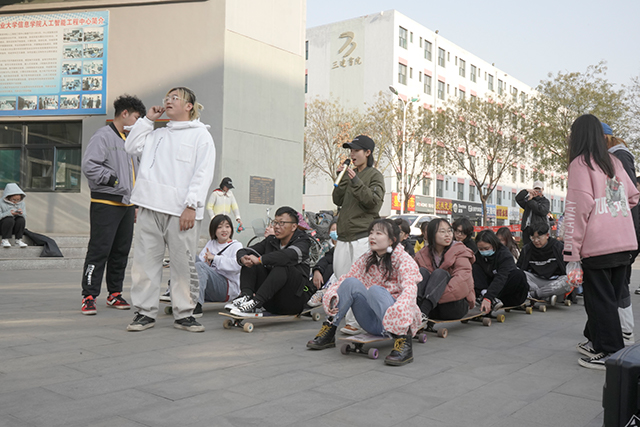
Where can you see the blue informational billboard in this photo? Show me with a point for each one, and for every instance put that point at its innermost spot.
(53, 64)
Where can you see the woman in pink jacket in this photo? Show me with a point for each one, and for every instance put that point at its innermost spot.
(599, 236)
(446, 290)
(381, 290)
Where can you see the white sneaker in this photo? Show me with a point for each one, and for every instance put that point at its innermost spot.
(241, 299)
(251, 308)
(628, 338)
(20, 243)
(5, 243)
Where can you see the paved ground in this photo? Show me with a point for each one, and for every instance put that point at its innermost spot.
(59, 368)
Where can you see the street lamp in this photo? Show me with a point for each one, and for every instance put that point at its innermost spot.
(403, 165)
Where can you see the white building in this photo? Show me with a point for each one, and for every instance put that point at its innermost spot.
(356, 59)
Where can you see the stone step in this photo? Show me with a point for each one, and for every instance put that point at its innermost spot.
(35, 251)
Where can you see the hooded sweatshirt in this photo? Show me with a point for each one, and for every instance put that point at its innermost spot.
(6, 206)
(225, 264)
(598, 218)
(176, 165)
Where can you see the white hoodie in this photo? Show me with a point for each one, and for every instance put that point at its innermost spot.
(176, 165)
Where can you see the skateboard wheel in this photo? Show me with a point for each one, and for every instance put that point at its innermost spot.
(507, 310)
(567, 302)
(442, 333)
(168, 310)
(554, 299)
(372, 353)
(316, 316)
(487, 322)
(247, 327)
(464, 321)
(345, 349)
(542, 308)
(500, 318)
(227, 324)
(529, 310)
(422, 338)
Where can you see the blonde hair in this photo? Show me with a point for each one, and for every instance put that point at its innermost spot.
(612, 141)
(189, 96)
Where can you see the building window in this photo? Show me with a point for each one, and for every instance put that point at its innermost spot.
(500, 87)
(460, 191)
(411, 37)
(410, 72)
(514, 94)
(461, 94)
(420, 41)
(420, 76)
(513, 201)
(462, 68)
(523, 99)
(521, 175)
(427, 84)
(490, 82)
(472, 193)
(499, 197)
(426, 186)
(427, 50)
(306, 49)
(446, 185)
(514, 174)
(41, 156)
(306, 82)
(403, 37)
(472, 73)
(440, 90)
(438, 188)
(402, 74)
(441, 57)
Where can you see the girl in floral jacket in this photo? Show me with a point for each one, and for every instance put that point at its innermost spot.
(381, 290)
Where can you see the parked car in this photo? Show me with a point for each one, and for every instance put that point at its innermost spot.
(415, 221)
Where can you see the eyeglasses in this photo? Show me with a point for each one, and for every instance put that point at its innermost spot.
(173, 98)
(538, 238)
(460, 232)
(281, 223)
(447, 231)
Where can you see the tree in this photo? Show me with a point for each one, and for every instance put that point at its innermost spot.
(384, 119)
(482, 138)
(329, 125)
(633, 114)
(563, 98)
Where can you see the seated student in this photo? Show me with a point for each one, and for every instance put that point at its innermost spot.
(422, 238)
(497, 280)
(380, 288)
(13, 215)
(506, 238)
(405, 233)
(463, 232)
(275, 272)
(323, 270)
(543, 263)
(217, 267)
(446, 291)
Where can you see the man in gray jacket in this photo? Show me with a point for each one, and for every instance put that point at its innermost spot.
(111, 173)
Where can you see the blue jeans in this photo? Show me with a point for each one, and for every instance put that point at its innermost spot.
(368, 305)
(213, 286)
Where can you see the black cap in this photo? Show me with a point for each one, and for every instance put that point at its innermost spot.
(226, 182)
(361, 142)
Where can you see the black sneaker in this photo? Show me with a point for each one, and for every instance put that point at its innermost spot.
(188, 324)
(141, 322)
(251, 308)
(326, 338)
(402, 352)
(241, 299)
(197, 312)
(594, 362)
(586, 348)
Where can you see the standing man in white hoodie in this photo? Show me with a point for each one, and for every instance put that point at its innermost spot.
(176, 170)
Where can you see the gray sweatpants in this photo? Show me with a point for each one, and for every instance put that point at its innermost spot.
(154, 231)
(544, 288)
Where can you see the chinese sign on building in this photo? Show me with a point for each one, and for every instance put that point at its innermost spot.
(53, 64)
(395, 202)
(444, 206)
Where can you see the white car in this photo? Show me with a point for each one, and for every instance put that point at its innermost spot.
(415, 221)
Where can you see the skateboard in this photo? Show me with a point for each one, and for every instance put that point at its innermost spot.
(443, 332)
(501, 317)
(355, 343)
(242, 322)
(552, 301)
(168, 309)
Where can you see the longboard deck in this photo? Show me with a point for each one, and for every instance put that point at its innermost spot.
(246, 322)
(363, 338)
(355, 343)
(443, 332)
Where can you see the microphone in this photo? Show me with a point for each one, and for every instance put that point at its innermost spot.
(341, 174)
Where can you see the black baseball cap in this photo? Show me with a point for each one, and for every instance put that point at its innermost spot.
(226, 182)
(361, 142)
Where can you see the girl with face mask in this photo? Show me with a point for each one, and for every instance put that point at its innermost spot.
(497, 280)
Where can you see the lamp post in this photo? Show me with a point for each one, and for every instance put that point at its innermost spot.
(403, 165)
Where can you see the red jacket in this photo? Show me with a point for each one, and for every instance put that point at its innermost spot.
(457, 262)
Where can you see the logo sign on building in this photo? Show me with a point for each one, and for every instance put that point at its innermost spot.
(491, 211)
(53, 64)
(425, 204)
(395, 202)
(444, 206)
(502, 212)
(466, 209)
(347, 53)
(514, 214)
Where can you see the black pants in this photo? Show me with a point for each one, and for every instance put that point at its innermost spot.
(430, 290)
(513, 293)
(109, 245)
(281, 290)
(603, 288)
(12, 225)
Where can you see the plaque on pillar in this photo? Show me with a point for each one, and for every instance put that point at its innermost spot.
(262, 190)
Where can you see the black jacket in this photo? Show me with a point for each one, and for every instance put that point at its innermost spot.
(471, 244)
(325, 265)
(525, 256)
(538, 208)
(496, 268)
(295, 254)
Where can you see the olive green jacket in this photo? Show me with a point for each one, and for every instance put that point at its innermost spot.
(361, 199)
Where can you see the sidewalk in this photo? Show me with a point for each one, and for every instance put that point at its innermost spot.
(60, 368)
